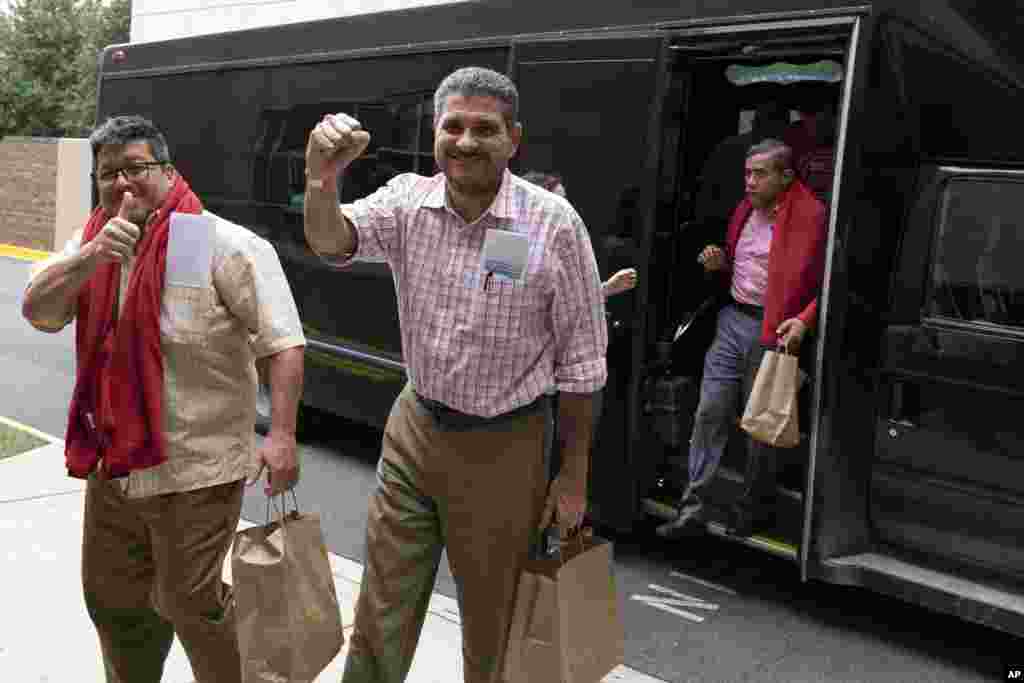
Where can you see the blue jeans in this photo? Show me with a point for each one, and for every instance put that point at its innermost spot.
(729, 370)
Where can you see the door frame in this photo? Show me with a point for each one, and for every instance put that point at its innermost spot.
(859, 25)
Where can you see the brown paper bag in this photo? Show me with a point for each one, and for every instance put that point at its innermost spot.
(565, 626)
(289, 622)
(771, 416)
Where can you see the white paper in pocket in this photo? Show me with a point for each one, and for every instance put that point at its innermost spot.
(190, 250)
(505, 254)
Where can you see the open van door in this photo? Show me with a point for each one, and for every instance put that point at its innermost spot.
(591, 111)
(734, 85)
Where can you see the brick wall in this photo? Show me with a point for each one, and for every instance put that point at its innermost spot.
(28, 192)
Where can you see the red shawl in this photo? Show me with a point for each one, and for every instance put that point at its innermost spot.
(796, 258)
(117, 404)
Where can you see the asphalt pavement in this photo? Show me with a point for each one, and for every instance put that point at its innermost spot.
(700, 610)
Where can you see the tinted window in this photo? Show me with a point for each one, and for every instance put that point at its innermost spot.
(978, 275)
(401, 142)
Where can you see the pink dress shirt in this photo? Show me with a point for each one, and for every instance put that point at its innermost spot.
(750, 269)
(487, 350)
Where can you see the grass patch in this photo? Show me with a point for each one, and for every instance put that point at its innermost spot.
(14, 441)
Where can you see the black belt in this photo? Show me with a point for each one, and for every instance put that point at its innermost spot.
(449, 419)
(756, 312)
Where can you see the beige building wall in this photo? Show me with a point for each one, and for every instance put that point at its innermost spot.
(154, 20)
(44, 190)
(74, 188)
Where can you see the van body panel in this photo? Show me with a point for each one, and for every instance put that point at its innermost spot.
(911, 477)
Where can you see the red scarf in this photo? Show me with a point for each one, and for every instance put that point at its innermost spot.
(796, 258)
(117, 404)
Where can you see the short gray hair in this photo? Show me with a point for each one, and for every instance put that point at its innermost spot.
(779, 151)
(476, 81)
(124, 130)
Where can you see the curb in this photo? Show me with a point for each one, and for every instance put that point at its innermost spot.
(23, 253)
(14, 424)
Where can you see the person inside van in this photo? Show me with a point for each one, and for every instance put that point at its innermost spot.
(500, 300)
(815, 163)
(773, 263)
(623, 280)
(721, 187)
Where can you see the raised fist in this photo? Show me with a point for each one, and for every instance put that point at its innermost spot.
(335, 142)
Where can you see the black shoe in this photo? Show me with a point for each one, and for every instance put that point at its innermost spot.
(746, 521)
(681, 527)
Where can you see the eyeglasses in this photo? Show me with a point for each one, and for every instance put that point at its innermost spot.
(135, 172)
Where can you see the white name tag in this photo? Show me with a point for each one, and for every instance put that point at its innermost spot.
(505, 254)
(190, 250)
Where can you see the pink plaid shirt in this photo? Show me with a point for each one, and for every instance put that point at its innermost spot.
(487, 351)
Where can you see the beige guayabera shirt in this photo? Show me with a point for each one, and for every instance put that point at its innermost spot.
(210, 338)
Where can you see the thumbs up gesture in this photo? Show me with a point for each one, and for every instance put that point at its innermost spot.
(116, 241)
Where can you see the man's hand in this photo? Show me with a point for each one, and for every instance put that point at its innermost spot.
(791, 334)
(116, 241)
(622, 281)
(335, 142)
(279, 455)
(566, 503)
(712, 258)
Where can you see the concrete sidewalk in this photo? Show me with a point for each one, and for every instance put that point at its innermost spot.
(45, 633)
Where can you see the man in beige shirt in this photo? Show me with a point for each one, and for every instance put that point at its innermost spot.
(159, 519)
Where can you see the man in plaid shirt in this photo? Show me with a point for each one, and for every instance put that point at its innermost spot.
(500, 304)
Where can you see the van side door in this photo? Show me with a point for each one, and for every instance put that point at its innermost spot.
(587, 108)
(948, 479)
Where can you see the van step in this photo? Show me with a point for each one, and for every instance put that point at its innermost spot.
(736, 478)
(762, 542)
(979, 602)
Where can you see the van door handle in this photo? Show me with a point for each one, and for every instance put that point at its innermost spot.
(898, 409)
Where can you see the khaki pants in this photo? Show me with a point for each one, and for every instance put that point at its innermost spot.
(480, 493)
(151, 568)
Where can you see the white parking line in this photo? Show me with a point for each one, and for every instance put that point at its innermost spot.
(675, 602)
(702, 582)
(693, 601)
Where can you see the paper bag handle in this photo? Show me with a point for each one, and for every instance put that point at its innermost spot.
(281, 509)
(579, 535)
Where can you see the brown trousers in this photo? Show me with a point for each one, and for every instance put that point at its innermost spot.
(479, 493)
(151, 568)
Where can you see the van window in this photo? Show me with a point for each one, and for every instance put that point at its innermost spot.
(977, 274)
(401, 141)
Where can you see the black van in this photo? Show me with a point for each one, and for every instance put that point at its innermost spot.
(911, 477)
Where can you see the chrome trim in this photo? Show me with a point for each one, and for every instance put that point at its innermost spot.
(974, 172)
(368, 358)
(842, 18)
(596, 60)
(976, 327)
(819, 362)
